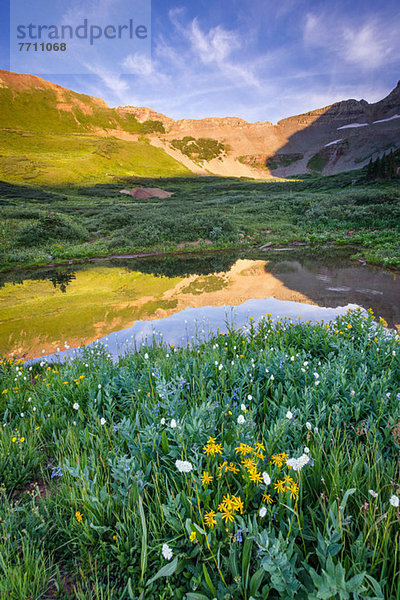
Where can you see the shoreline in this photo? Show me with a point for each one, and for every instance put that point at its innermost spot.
(277, 247)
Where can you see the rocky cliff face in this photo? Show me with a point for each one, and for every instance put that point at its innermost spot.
(339, 137)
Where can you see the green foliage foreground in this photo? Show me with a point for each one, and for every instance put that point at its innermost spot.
(262, 464)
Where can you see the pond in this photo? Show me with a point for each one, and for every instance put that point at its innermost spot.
(182, 298)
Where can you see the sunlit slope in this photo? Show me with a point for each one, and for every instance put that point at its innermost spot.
(62, 158)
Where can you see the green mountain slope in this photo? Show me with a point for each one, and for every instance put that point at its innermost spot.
(50, 135)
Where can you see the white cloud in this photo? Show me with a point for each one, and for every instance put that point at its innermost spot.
(368, 44)
(137, 64)
(216, 45)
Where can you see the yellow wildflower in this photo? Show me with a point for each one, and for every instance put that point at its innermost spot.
(78, 516)
(211, 448)
(209, 519)
(22, 439)
(280, 486)
(206, 478)
(244, 449)
(256, 477)
(276, 459)
(193, 536)
(227, 515)
(14, 439)
(294, 490)
(267, 498)
(232, 468)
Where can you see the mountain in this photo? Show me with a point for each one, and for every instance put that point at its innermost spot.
(139, 141)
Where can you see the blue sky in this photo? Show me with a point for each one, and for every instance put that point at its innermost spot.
(245, 58)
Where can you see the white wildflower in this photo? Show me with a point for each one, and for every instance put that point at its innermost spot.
(173, 423)
(298, 463)
(263, 512)
(162, 421)
(249, 397)
(243, 407)
(308, 425)
(184, 466)
(146, 356)
(394, 501)
(266, 478)
(102, 421)
(167, 552)
(307, 450)
(373, 494)
(240, 419)
(75, 406)
(352, 393)
(289, 415)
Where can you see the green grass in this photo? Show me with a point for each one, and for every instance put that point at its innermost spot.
(43, 110)
(228, 212)
(91, 488)
(51, 159)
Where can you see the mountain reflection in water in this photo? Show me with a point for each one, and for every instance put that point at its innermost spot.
(43, 310)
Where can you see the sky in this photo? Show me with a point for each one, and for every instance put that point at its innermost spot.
(253, 59)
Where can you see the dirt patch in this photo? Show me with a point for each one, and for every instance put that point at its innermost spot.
(147, 193)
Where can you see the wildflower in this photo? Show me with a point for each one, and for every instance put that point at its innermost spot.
(4, 391)
(276, 459)
(244, 449)
(75, 406)
(232, 468)
(193, 536)
(267, 498)
(298, 463)
(162, 422)
(289, 415)
(373, 494)
(227, 515)
(308, 425)
(240, 420)
(255, 476)
(14, 439)
(173, 423)
(238, 536)
(306, 450)
(209, 518)
(394, 501)
(22, 439)
(280, 486)
(78, 516)
(238, 504)
(167, 552)
(249, 397)
(146, 356)
(211, 448)
(294, 490)
(262, 512)
(206, 478)
(22, 415)
(184, 466)
(266, 478)
(243, 408)
(102, 421)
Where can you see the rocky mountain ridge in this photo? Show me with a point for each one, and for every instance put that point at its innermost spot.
(339, 137)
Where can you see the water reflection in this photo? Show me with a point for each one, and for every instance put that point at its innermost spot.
(43, 309)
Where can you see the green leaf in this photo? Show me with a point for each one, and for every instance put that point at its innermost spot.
(208, 581)
(143, 554)
(256, 581)
(247, 546)
(164, 442)
(165, 571)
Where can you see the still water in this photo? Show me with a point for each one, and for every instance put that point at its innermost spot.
(47, 311)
